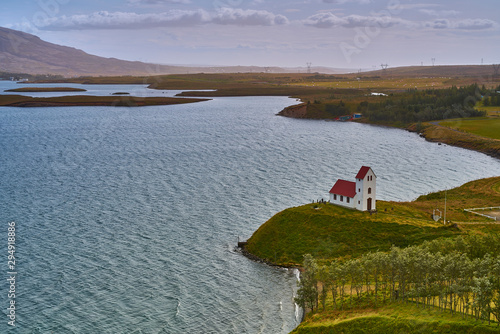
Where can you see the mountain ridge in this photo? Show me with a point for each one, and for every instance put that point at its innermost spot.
(21, 52)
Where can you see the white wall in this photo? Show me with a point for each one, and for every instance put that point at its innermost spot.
(351, 204)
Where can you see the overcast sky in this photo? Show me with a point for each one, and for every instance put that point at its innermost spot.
(334, 33)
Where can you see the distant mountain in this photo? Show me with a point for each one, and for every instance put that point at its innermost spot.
(24, 53)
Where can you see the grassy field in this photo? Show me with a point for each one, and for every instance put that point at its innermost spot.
(392, 80)
(382, 83)
(485, 126)
(393, 317)
(468, 140)
(83, 100)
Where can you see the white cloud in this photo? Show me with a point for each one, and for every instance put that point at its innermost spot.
(126, 20)
(476, 24)
(248, 17)
(339, 2)
(157, 2)
(440, 24)
(324, 20)
(433, 12)
(466, 24)
(329, 20)
(172, 18)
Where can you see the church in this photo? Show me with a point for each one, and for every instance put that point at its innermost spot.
(359, 195)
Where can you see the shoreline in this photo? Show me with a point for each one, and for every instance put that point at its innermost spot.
(436, 133)
(242, 249)
(430, 131)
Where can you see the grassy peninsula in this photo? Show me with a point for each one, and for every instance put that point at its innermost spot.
(84, 100)
(45, 89)
(338, 239)
(332, 232)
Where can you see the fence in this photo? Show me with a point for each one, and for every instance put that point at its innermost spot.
(482, 214)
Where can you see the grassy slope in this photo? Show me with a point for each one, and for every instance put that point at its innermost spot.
(328, 231)
(485, 126)
(446, 135)
(391, 318)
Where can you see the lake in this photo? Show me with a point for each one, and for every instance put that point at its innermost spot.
(127, 218)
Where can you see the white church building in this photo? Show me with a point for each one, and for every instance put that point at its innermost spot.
(359, 195)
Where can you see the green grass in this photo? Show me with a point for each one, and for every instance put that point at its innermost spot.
(485, 126)
(328, 231)
(391, 318)
(468, 140)
(331, 232)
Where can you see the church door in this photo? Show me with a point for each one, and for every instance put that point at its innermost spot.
(369, 204)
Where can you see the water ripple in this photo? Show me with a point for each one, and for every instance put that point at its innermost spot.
(128, 218)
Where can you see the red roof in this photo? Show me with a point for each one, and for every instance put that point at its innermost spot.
(344, 188)
(362, 172)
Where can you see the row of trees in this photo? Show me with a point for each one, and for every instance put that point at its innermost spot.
(492, 100)
(426, 105)
(460, 275)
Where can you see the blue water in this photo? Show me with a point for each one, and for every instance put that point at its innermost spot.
(127, 218)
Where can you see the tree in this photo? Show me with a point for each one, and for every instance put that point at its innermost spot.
(307, 295)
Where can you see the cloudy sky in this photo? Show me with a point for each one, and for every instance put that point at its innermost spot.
(333, 33)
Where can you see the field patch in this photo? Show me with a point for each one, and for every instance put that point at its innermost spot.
(485, 126)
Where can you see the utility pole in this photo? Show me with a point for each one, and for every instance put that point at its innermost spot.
(445, 206)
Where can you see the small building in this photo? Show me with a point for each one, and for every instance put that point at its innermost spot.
(359, 194)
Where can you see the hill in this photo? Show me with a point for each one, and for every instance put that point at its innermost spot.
(331, 232)
(25, 53)
(450, 71)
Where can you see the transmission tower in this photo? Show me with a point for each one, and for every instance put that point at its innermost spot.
(384, 67)
(308, 67)
(433, 61)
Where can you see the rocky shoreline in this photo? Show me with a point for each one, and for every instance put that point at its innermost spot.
(242, 249)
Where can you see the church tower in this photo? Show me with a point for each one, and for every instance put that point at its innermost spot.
(366, 189)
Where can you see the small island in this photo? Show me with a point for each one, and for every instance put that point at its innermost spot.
(45, 89)
(86, 100)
